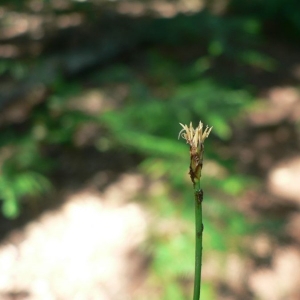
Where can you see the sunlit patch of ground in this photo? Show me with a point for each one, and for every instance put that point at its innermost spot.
(282, 280)
(83, 250)
(275, 273)
(283, 180)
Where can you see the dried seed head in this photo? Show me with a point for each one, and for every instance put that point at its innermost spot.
(195, 137)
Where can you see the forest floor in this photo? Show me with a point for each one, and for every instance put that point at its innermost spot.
(85, 243)
(87, 247)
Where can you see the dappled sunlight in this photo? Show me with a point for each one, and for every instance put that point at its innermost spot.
(96, 199)
(9, 51)
(76, 252)
(96, 101)
(166, 9)
(35, 25)
(283, 180)
(262, 245)
(284, 276)
(281, 104)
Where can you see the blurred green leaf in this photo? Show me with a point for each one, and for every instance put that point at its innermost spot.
(259, 60)
(220, 126)
(215, 48)
(10, 208)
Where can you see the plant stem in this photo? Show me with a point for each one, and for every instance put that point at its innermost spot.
(195, 137)
(198, 234)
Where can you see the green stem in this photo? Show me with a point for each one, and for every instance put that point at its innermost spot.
(199, 230)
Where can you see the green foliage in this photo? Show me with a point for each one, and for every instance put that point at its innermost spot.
(258, 60)
(15, 69)
(23, 167)
(20, 176)
(150, 125)
(283, 14)
(17, 186)
(170, 78)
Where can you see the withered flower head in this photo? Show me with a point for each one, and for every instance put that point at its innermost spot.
(195, 137)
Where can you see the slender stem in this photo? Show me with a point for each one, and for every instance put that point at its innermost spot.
(195, 137)
(199, 230)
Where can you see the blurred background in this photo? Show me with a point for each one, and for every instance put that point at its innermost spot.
(96, 201)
